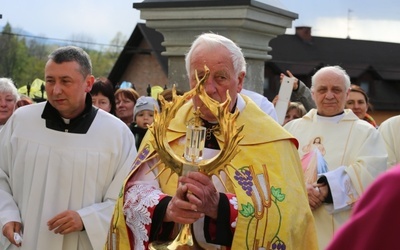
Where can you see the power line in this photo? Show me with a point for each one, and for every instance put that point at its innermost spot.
(62, 40)
(135, 50)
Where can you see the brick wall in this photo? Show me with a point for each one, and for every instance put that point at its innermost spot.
(144, 69)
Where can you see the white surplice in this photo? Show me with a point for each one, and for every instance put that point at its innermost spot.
(44, 172)
(390, 131)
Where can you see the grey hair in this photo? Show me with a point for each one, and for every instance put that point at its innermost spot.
(7, 86)
(73, 54)
(335, 69)
(213, 40)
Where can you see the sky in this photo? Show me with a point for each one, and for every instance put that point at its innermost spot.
(359, 19)
(100, 20)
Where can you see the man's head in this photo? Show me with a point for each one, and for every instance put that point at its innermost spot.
(68, 76)
(330, 89)
(227, 69)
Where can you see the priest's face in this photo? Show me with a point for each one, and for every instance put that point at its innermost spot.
(329, 93)
(66, 87)
(222, 76)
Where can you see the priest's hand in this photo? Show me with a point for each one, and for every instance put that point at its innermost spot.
(9, 229)
(202, 193)
(66, 222)
(179, 210)
(316, 195)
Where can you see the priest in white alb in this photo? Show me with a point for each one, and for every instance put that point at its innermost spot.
(62, 163)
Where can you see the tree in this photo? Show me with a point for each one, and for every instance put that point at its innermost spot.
(104, 59)
(37, 56)
(9, 49)
(16, 61)
(24, 59)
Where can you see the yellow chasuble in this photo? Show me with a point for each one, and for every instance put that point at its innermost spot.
(266, 177)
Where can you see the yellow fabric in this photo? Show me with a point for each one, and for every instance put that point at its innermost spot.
(285, 217)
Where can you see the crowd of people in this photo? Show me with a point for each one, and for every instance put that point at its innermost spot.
(81, 170)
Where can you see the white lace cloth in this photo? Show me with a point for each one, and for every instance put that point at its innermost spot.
(138, 199)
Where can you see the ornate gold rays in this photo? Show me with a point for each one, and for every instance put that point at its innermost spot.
(226, 120)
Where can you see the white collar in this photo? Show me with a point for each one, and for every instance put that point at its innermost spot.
(331, 119)
(240, 104)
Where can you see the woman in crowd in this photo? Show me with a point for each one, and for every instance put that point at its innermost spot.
(23, 100)
(8, 99)
(103, 95)
(295, 110)
(358, 101)
(125, 100)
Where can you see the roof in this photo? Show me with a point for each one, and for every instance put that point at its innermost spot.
(153, 37)
(356, 56)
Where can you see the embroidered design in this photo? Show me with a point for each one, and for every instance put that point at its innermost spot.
(257, 187)
(313, 162)
(233, 201)
(315, 143)
(137, 201)
(142, 155)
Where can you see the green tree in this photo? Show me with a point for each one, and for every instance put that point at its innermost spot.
(105, 57)
(37, 56)
(16, 61)
(9, 48)
(24, 59)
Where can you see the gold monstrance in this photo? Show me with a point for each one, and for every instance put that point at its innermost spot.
(195, 138)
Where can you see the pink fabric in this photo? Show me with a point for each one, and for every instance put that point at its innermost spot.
(375, 221)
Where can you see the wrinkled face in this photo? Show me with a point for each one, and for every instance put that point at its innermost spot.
(66, 87)
(144, 118)
(7, 106)
(291, 115)
(356, 102)
(330, 94)
(222, 77)
(124, 108)
(102, 102)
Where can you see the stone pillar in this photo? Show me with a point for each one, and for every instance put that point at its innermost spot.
(251, 24)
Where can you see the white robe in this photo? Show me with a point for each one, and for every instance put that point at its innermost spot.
(44, 172)
(355, 154)
(390, 131)
(262, 102)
